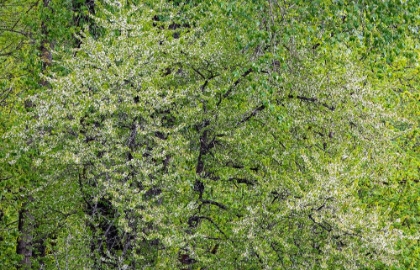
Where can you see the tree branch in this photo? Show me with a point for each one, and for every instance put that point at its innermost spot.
(221, 206)
(225, 95)
(313, 100)
(243, 181)
(252, 114)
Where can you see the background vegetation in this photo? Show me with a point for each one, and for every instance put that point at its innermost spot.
(209, 134)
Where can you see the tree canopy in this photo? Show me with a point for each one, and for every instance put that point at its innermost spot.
(212, 135)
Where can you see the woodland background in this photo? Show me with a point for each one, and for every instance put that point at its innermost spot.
(209, 134)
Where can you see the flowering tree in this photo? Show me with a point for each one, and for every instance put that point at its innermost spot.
(211, 136)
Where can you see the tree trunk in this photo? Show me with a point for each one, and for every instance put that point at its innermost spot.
(24, 243)
(46, 46)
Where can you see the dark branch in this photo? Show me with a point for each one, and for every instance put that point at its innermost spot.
(252, 114)
(325, 226)
(203, 87)
(313, 100)
(234, 165)
(195, 220)
(221, 206)
(225, 95)
(199, 73)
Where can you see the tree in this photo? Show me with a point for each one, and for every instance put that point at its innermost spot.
(29, 31)
(208, 135)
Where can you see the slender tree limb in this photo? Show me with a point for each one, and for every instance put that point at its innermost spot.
(312, 100)
(203, 202)
(252, 114)
(229, 91)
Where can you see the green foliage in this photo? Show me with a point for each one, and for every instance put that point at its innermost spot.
(24, 27)
(239, 135)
